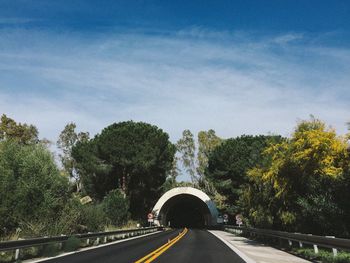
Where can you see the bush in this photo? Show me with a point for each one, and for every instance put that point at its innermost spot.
(116, 207)
(6, 256)
(29, 252)
(51, 250)
(72, 244)
(323, 256)
(71, 218)
(37, 192)
(94, 217)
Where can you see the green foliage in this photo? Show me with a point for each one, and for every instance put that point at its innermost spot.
(67, 139)
(323, 256)
(72, 244)
(93, 217)
(134, 157)
(71, 219)
(174, 171)
(169, 184)
(186, 147)
(207, 142)
(229, 162)
(51, 250)
(31, 187)
(116, 207)
(303, 182)
(6, 256)
(22, 133)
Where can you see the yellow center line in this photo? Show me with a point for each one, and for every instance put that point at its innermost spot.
(156, 253)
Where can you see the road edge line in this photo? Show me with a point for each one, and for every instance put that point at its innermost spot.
(87, 249)
(232, 247)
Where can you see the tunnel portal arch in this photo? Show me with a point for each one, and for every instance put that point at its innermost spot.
(185, 206)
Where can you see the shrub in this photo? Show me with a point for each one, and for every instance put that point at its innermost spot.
(116, 207)
(6, 256)
(94, 217)
(72, 244)
(51, 250)
(38, 190)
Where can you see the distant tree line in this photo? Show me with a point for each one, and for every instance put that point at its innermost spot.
(103, 181)
(301, 183)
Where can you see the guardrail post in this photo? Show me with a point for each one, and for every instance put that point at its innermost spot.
(315, 246)
(61, 243)
(290, 242)
(88, 240)
(300, 244)
(335, 251)
(17, 254)
(105, 239)
(97, 241)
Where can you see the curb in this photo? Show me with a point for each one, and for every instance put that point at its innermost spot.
(232, 247)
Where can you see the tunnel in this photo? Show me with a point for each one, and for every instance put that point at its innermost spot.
(185, 207)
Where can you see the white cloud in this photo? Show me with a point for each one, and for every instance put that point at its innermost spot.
(199, 79)
(288, 38)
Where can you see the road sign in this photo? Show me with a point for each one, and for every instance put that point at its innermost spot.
(220, 220)
(150, 218)
(239, 220)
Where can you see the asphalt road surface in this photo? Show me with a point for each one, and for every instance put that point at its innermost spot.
(194, 246)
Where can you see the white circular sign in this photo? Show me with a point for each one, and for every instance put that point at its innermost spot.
(150, 216)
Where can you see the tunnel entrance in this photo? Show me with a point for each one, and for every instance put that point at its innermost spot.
(185, 211)
(185, 207)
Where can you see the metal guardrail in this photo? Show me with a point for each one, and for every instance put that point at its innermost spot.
(322, 241)
(24, 243)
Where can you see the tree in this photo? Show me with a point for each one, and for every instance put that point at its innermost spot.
(132, 156)
(170, 181)
(229, 162)
(306, 173)
(67, 140)
(116, 207)
(187, 148)
(22, 133)
(207, 142)
(31, 187)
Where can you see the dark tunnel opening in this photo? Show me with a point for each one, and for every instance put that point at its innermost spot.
(185, 211)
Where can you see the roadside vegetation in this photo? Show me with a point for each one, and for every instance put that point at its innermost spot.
(40, 198)
(299, 184)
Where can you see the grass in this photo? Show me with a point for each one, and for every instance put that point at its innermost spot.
(324, 256)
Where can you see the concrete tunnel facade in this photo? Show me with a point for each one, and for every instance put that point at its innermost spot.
(185, 207)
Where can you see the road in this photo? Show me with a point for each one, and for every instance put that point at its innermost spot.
(194, 246)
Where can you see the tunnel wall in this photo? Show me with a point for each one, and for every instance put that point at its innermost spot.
(157, 210)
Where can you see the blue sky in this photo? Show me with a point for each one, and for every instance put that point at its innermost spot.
(238, 67)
